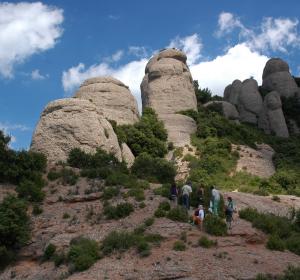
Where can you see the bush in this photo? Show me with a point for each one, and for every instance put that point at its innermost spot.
(179, 246)
(215, 225)
(117, 241)
(275, 243)
(30, 190)
(293, 243)
(164, 190)
(159, 213)
(14, 227)
(165, 205)
(122, 210)
(153, 169)
(143, 248)
(149, 222)
(291, 273)
(137, 193)
(68, 176)
(53, 175)
(83, 253)
(49, 252)
(178, 214)
(146, 136)
(37, 210)
(206, 243)
(110, 192)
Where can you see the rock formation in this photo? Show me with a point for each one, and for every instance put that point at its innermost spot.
(168, 88)
(276, 76)
(229, 111)
(112, 99)
(232, 92)
(249, 102)
(272, 118)
(73, 123)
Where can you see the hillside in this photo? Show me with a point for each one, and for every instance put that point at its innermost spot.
(90, 200)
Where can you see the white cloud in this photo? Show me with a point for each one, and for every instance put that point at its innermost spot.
(276, 34)
(36, 75)
(239, 62)
(26, 29)
(191, 45)
(140, 52)
(8, 129)
(113, 17)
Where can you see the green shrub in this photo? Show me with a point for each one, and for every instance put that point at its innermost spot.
(178, 214)
(153, 169)
(14, 227)
(146, 136)
(49, 252)
(291, 273)
(122, 210)
(165, 205)
(68, 176)
(30, 190)
(83, 253)
(206, 243)
(275, 243)
(179, 246)
(143, 248)
(37, 210)
(53, 175)
(164, 190)
(110, 192)
(215, 225)
(137, 193)
(66, 216)
(159, 213)
(59, 258)
(149, 222)
(153, 238)
(117, 241)
(293, 243)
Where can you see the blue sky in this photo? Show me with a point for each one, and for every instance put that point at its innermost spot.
(48, 48)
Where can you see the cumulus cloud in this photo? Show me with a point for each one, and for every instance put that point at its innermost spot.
(191, 45)
(36, 75)
(239, 62)
(275, 34)
(138, 51)
(26, 29)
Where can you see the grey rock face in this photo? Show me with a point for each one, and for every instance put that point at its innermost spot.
(276, 76)
(73, 123)
(272, 118)
(249, 101)
(168, 88)
(232, 92)
(229, 111)
(112, 98)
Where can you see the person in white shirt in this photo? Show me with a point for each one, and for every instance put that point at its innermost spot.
(186, 191)
(198, 216)
(215, 200)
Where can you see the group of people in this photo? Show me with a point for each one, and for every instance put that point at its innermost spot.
(199, 214)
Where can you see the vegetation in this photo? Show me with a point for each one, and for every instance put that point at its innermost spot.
(14, 228)
(284, 232)
(153, 169)
(122, 210)
(206, 243)
(23, 169)
(179, 246)
(204, 95)
(291, 273)
(67, 176)
(146, 136)
(83, 253)
(215, 225)
(49, 252)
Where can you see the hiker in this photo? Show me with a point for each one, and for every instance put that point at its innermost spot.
(229, 209)
(186, 191)
(200, 195)
(198, 216)
(215, 200)
(174, 194)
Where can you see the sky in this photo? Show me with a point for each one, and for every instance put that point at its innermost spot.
(48, 48)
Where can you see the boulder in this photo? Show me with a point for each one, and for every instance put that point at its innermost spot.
(232, 92)
(229, 111)
(112, 98)
(271, 118)
(168, 88)
(73, 123)
(277, 77)
(249, 102)
(127, 155)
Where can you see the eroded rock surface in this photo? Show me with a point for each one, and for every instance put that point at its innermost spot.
(73, 123)
(168, 88)
(229, 110)
(112, 98)
(277, 77)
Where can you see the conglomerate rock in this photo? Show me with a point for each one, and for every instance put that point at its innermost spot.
(73, 123)
(168, 88)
